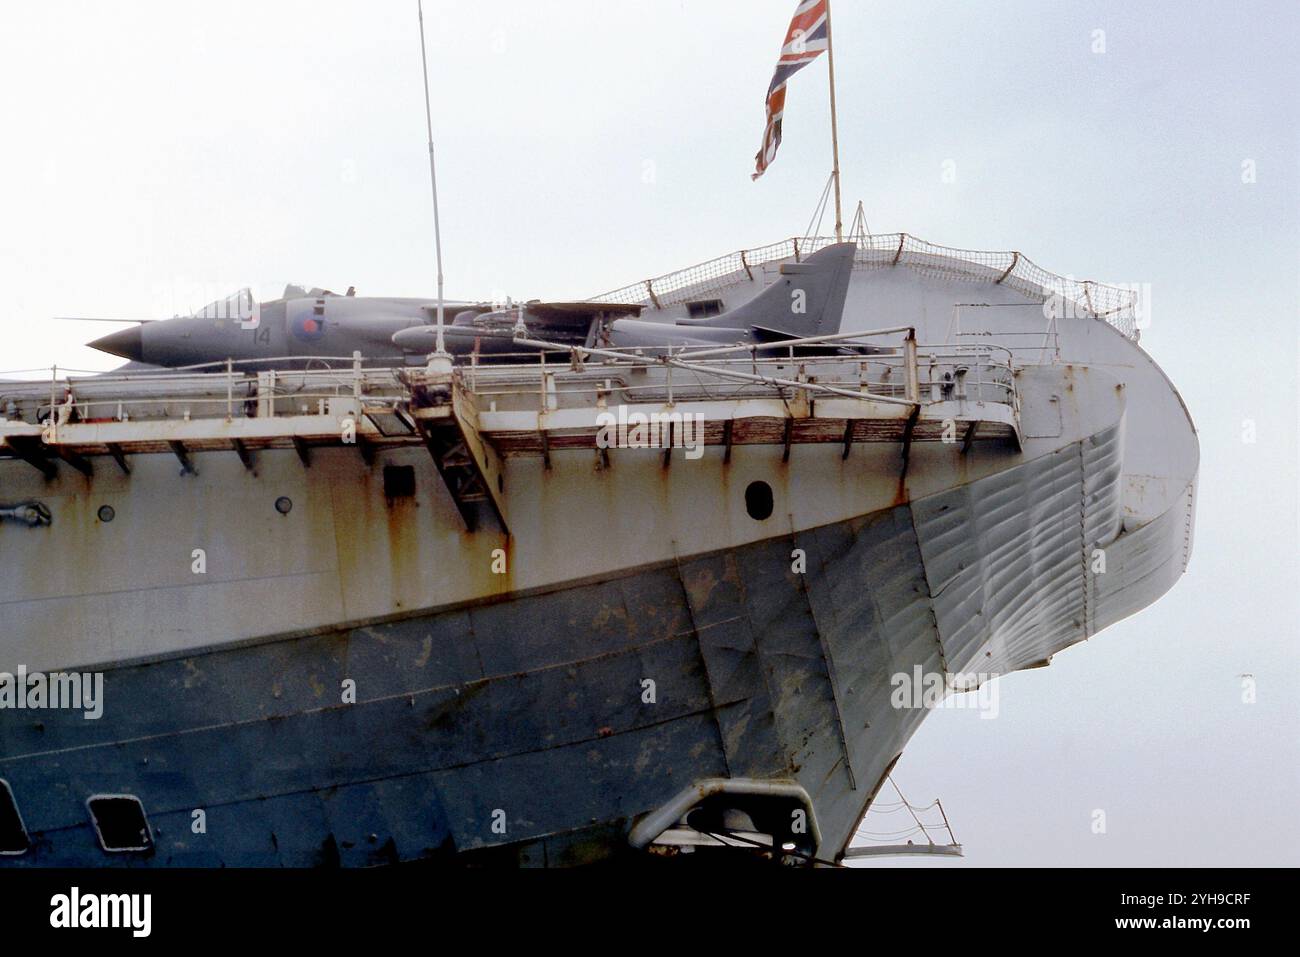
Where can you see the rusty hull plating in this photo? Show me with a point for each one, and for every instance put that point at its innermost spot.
(496, 588)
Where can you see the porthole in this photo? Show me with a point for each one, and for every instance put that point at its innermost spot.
(284, 505)
(758, 501)
(13, 834)
(120, 823)
(106, 513)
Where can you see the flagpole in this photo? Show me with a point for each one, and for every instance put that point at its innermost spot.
(835, 129)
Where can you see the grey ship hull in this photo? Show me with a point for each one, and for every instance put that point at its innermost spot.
(533, 705)
(504, 717)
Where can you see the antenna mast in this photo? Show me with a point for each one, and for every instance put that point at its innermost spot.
(433, 178)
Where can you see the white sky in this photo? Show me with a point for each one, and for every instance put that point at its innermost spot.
(154, 150)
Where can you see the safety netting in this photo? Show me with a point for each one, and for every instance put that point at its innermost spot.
(1116, 305)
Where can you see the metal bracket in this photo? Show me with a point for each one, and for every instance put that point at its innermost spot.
(657, 822)
(32, 514)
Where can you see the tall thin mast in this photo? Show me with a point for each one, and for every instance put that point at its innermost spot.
(835, 129)
(433, 176)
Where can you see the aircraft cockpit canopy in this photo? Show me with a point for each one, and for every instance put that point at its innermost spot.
(294, 291)
(240, 306)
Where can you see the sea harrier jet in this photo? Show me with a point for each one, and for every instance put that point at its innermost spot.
(317, 325)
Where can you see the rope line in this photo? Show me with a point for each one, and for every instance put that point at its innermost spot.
(893, 807)
(819, 213)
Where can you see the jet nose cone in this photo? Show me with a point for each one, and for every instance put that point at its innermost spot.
(127, 343)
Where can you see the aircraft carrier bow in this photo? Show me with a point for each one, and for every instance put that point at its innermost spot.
(632, 580)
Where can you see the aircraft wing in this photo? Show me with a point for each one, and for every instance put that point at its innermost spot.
(98, 319)
(578, 315)
(574, 322)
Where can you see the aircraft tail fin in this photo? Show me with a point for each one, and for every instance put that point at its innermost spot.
(807, 300)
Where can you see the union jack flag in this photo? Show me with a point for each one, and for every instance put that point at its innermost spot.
(804, 42)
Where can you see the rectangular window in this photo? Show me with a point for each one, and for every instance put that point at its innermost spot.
(120, 822)
(13, 835)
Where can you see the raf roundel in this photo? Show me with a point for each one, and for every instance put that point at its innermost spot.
(309, 328)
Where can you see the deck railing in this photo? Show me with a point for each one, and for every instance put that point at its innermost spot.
(1115, 305)
(888, 367)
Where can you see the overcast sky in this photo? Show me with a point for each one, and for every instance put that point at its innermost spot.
(155, 151)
